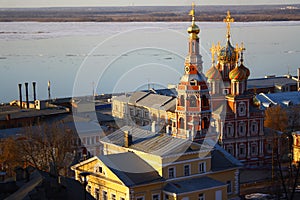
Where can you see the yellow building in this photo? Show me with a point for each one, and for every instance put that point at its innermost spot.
(296, 147)
(142, 165)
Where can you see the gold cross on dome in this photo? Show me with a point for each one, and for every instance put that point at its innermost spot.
(228, 20)
(192, 12)
(213, 50)
(239, 50)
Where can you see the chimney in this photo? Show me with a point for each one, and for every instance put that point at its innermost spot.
(26, 93)
(153, 127)
(298, 79)
(20, 94)
(127, 139)
(34, 92)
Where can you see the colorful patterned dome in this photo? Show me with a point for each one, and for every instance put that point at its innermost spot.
(227, 53)
(213, 73)
(239, 73)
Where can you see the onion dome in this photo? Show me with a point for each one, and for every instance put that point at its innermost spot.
(193, 29)
(227, 53)
(213, 73)
(239, 73)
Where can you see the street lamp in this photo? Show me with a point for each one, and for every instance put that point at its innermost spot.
(84, 180)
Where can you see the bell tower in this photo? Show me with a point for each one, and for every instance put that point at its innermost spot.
(193, 101)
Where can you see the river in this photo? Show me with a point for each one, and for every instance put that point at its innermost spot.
(81, 57)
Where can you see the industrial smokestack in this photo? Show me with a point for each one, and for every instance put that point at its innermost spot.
(20, 94)
(49, 92)
(34, 92)
(26, 93)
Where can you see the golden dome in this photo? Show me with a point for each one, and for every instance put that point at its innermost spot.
(193, 28)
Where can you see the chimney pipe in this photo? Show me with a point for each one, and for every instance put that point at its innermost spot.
(20, 94)
(298, 79)
(26, 93)
(127, 139)
(34, 92)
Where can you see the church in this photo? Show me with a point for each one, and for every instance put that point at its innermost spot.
(215, 105)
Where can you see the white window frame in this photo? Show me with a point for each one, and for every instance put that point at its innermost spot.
(189, 168)
(229, 186)
(174, 172)
(113, 196)
(155, 195)
(140, 198)
(201, 196)
(104, 195)
(204, 167)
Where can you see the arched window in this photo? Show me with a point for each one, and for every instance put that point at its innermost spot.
(242, 128)
(181, 100)
(181, 123)
(204, 101)
(205, 123)
(193, 101)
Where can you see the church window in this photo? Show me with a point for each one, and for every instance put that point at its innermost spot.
(254, 149)
(181, 100)
(229, 130)
(242, 109)
(229, 149)
(242, 150)
(242, 128)
(254, 127)
(193, 101)
(181, 123)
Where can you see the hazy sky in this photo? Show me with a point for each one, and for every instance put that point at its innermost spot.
(55, 3)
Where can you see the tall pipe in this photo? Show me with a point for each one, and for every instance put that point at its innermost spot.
(34, 92)
(49, 93)
(20, 94)
(26, 92)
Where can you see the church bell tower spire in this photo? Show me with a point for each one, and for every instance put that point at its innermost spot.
(194, 58)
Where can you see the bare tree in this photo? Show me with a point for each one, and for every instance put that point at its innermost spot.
(276, 118)
(9, 158)
(48, 147)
